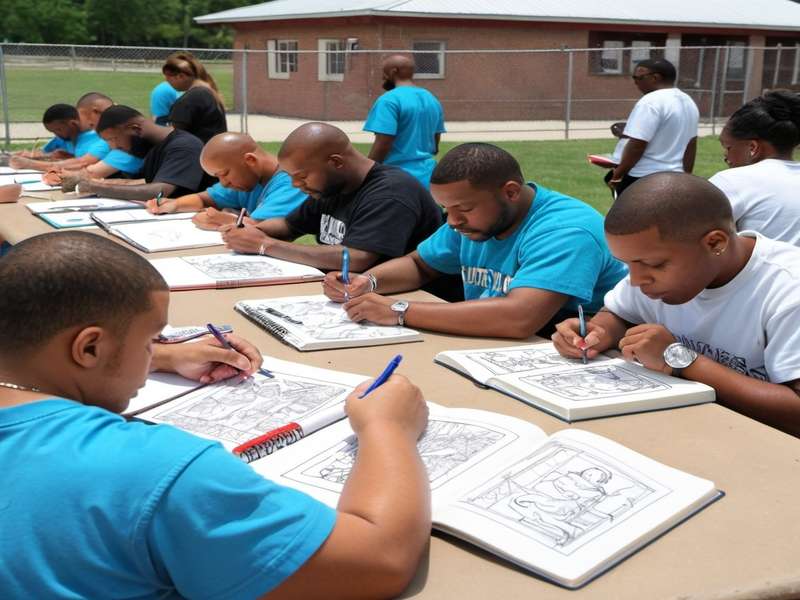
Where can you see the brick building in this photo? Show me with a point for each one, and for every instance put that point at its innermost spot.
(320, 59)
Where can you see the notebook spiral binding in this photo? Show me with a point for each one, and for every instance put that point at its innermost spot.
(268, 324)
(280, 439)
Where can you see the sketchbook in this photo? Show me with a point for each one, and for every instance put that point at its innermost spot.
(109, 218)
(159, 389)
(80, 205)
(159, 236)
(6, 170)
(567, 507)
(216, 271)
(31, 182)
(316, 323)
(566, 388)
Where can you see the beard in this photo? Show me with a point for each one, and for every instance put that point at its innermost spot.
(139, 146)
(503, 222)
(388, 85)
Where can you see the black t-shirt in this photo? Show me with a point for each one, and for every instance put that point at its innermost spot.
(176, 160)
(389, 214)
(198, 112)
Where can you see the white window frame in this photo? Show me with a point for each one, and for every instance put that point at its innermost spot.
(441, 51)
(740, 69)
(796, 70)
(324, 51)
(611, 48)
(275, 48)
(640, 50)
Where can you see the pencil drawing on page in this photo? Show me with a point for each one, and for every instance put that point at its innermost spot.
(323, 320)
(564, 496)
(222, 268)
(237, 413)
(594, 383)
(501, 362)
(446, 448)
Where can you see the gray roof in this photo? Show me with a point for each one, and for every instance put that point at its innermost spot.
(739, 14)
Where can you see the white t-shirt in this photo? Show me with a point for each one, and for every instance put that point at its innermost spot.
(765, 197)
(667, 120)
(749, 325)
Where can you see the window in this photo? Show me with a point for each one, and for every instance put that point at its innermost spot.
(428, 60)
(796, 69)
(281, 58)
(332, 60)
(611, 56)
(640, 50)
(736, 60)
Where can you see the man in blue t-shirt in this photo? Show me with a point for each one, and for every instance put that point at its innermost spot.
(162, 98)
(527, 255)
(407, 122)
(249, 178)
(101, 507)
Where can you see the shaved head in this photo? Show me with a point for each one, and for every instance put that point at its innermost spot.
(315, 141)
(679, 205)
(398, 66)
(237, 161)
(228, 146)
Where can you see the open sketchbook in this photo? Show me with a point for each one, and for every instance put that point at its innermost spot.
(80, 205)
(31, 182)
(231, 270)
(567, 507)
(159, 236)
(316, 323)
(566, 388)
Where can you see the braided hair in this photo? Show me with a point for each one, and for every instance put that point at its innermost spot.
(773, 117)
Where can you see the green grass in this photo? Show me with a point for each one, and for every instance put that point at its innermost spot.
(31, 91)
(561, 164)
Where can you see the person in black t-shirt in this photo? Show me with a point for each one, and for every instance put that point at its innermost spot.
(171, 157)
(200, 110)
(377, 211)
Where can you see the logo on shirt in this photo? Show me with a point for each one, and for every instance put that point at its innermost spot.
(494, 282)
(331, 231)
(725, 358)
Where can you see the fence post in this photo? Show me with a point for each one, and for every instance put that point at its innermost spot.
(714, 94)
(723, 83)
(4, 94)
(72, 58)
(243, 116)
(568, 107)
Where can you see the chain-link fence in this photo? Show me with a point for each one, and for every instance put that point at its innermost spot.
(486, 94)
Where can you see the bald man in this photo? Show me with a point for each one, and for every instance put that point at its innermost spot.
(249, 178)
(377, 211)
(407, 121)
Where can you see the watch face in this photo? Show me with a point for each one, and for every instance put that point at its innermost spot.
(679, 357)
(400, 306)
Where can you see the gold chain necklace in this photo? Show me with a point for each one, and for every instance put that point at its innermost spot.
(16, 386)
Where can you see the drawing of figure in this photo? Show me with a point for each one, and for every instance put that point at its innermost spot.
(221, 268)
(594, 382)
(562, 508)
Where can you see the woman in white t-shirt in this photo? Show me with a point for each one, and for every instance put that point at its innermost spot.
(763, 184)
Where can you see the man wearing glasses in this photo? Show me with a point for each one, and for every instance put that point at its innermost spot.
(661, 131)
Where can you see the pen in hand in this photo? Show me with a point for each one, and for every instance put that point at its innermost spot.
(225, 344)
(383, 377)
(240, 218)
(582, 324)
(346, 271)
(159, 195)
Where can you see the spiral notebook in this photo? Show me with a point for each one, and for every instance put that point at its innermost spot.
(316, 323)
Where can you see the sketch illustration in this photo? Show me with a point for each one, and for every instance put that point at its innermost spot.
(446, 447)
(169, 233)
(564, 496)
(501, 362)
(324, 320)
(237, 413)
(594, 383)
(221, 268)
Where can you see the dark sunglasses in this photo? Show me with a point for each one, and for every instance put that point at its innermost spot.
(640, 77)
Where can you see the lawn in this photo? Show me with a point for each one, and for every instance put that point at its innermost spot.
(562, 165)
(32, 90)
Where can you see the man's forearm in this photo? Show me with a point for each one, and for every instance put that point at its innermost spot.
(321, 256)
(689, 155)
(402, 274)
(633, 152)
(773, 404)
(615, 326)
(126, 192)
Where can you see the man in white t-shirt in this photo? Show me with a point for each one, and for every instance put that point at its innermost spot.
(661, 131)
(701, 301)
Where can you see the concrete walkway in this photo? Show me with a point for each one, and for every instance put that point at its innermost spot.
(275, 129)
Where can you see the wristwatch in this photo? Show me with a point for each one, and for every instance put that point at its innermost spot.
(678, 357)
(400, 307)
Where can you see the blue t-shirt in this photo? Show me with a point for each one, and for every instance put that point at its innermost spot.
(559, 246)
(87, 142)
(122, 161)
(413, 116)
(93, 504)
(277, 199)
(162, 98)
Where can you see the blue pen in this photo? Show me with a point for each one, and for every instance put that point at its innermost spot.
(582, 321)
(159, 195)
(225, 344)
(346, 271)
(387, 372)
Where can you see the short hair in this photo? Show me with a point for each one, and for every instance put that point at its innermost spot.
(773, 117)
(483, 165)
(90, 97)
(58, 280)
(661, 66)
(683, 207)
(117, 115)
(60, 112)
